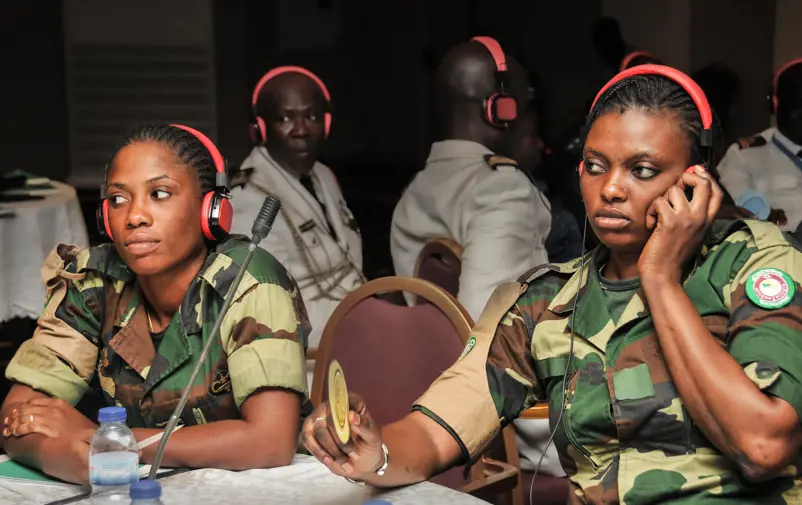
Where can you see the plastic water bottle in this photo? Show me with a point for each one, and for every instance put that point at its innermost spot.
(146, 492)
(113, 458)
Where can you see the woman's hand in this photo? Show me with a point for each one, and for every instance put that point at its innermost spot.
(72, 461)
(778, 217)
(679, 226)
(362, 457)
(50, 417)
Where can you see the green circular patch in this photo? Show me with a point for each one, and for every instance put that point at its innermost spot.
(770, 288)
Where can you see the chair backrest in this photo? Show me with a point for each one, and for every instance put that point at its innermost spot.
(390, 353)
(440, 262)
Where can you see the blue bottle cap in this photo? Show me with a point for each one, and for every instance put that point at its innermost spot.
(755, 203)
(111, 415)
(145, 489)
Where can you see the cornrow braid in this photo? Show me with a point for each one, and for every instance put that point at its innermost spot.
(653, 93)
(187, 148)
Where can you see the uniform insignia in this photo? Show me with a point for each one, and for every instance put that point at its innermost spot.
(221, 383)
(770, 288)
(756, 141)
(468, 346)
(348, 217)
(497, 162)
(240, 178)
(308, 225)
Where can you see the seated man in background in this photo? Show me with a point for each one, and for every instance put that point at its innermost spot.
(768, 165)
(315, 237)
(466, 192)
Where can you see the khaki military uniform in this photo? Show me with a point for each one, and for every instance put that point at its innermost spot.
(485, 204)
(625, 436)
(315, 237)
(94, 324)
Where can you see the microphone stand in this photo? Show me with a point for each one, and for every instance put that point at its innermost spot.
(261, 227)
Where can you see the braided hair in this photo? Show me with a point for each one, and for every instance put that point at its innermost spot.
(186, 147)
(653, 93)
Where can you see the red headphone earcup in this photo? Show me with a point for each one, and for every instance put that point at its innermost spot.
(253, 133)
(260, 124)
(581, 167)
(217, 214)
(327, 123)
(106, 225)
(225, 216)
(206, 215)
(506, 109)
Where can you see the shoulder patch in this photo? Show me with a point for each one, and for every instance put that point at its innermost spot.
(770, 288)
(754, 141)
(240, 178)
(497, 162)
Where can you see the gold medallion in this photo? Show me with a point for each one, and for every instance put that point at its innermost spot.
(338, 402)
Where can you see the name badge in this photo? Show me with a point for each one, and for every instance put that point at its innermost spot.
(307, 226)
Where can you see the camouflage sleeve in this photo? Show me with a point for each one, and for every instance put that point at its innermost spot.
(268, 328)
(765, 326)
(61, 357)
(493, 381)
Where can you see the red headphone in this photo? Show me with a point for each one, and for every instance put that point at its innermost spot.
(776, 79)
(500, 109)
(688, 84)
(631, 56)
(258, 128)
(216, 209)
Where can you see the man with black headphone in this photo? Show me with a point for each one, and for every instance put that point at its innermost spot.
(315, 237)
(467, 192)
(763, 173)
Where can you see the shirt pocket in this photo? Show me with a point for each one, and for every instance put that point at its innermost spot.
(309, 233)
(648, 412)
(589, 426)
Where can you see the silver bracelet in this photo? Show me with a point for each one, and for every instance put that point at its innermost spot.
(380, 471)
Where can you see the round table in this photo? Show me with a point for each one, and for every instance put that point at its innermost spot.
(304, 481)
(26, 238)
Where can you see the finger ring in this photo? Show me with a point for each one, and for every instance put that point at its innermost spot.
(317, 421)
(30, 418)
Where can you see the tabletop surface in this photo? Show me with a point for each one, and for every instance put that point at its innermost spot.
(304, 481)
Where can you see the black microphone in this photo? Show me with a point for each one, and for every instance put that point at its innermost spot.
(261, 227)
(264, 221)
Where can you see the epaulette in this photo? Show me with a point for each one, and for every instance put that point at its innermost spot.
(755, 141)
(497, 162)
(240, 178)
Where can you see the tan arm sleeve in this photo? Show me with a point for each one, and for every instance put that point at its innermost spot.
(461, 396)
(59, 360)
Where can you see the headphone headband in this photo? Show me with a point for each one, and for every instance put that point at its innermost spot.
(495, 50)
(217, 158)
(284, 70)
(776, 80)
(631, 56)
(688, 84)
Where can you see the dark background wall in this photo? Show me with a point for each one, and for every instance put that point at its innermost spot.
(377, 58)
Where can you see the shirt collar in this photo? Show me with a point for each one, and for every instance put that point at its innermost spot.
(785, 141)
(455, 148)
(260, 160)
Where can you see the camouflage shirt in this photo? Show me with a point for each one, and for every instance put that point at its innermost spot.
(625, 436)
(262, 339)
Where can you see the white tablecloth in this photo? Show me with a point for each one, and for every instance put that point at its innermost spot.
(305, 481)
(25, 241)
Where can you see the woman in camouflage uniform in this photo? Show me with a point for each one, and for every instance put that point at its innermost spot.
(671, 355)
(132, 316)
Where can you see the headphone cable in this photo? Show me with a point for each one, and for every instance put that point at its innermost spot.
(567, 366)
